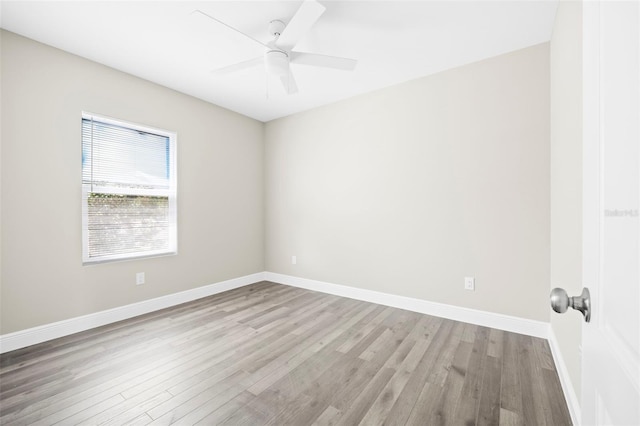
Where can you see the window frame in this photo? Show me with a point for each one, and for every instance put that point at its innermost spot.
(172, 194)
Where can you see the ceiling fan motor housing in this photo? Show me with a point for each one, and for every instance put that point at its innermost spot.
(276, 27)
(277, 63)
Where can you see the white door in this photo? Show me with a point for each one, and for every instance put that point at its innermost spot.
(611, 256)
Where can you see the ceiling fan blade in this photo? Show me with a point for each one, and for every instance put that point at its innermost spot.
(239, 66)
(289, 83)
(302, 21)
(325, 61)
(230, 27)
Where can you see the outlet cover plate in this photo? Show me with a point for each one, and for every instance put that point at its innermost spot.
(469, 283)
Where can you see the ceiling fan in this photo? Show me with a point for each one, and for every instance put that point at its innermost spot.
(279, 52)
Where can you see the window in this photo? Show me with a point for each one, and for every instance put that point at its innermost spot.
(128, 190)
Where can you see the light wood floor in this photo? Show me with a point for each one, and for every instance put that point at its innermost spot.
(269, 354)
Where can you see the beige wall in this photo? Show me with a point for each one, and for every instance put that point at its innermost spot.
(409, 189)
(220, 193)
(566, 176)
(406, 190)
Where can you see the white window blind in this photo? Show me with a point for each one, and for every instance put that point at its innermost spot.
(129, 190)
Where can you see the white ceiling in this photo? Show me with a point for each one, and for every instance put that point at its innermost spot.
(394, 41)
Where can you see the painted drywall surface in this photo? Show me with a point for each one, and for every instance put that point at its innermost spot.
(566, 177)
(409, 189)
(1, 35)
(220, 192)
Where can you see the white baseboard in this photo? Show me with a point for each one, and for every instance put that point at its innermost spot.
(32, 336)
(573, 403)
(473, 316)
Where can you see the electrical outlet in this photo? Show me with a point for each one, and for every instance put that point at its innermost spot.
(469, 283)
(294, 260)
(140, 278)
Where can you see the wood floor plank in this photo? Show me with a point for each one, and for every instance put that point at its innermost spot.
(556, 401)
(34, 354)
(361, 334)
(118, 414)
(362, 403)
(328, 417)
(402, 408)
(543, 354)
(368, 336)
(489, 408)
(350, 387)
(137, 414)
(273, 372)
(268, 354)
(469, 333)
(84, 414)
(226, 410)
(406, 328)
(535, 410)
(445, 409)
(422, 331)
(467, 409)
(285, 346)
(495, 346)
(388, 396)
(282, 392)
(34, 404)
(444, 360)
(190, 407)
(321, 393)
(380, 344)
(509, 418)
(511, 394)
(141, 420)
(429, 398)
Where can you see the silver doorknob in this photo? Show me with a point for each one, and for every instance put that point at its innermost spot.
(560, 302)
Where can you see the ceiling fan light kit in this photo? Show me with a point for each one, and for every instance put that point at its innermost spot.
(279, 54)
(276, 63)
